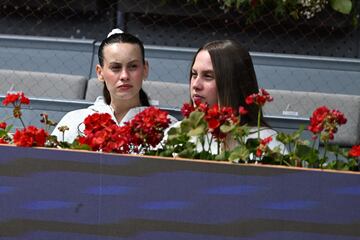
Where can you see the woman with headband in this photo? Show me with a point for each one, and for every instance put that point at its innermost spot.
(122, 67)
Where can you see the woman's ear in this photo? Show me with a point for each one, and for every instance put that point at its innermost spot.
(146, 69)
(99, 73)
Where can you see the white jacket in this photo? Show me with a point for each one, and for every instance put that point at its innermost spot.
(264, 133)
(74, 119)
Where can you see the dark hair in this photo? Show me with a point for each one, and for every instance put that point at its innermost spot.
(122, 38)
(234, 75)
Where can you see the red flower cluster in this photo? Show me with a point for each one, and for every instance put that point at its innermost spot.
(259, 98)
(326, 121)
(354, 151)
(30, 136)
(3, 126)
(215, 116)
(145, 129)
(97, 122)
(243, 111)
(16, 98)
(263, 146)
(102, 133)
(187, 109)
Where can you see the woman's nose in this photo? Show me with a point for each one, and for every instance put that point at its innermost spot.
(196, 83)
(124, 75)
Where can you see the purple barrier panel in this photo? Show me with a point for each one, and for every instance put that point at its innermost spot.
(63, 194)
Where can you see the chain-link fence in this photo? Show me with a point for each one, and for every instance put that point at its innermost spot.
(295, 46)
(186, 24)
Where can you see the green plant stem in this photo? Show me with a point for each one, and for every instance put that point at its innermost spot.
(22, 122)
(324, 155)
(258, 124)
(287, 164)
(205, 138)
(209, 140)
(313, 145)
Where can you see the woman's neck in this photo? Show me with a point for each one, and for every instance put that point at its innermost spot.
(121, 107)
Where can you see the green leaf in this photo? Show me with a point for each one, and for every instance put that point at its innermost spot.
(77, 145)
(166, 153)
(342, 6)
(177, 139)
(206, 155)
(225, 128)
(240, 153)
(195, 118)
(198, 131)
(173, 131)
(252, 143)
(185, 125)
(297, 133)
(283, 137)
(3, 133)
(307, 154)
(222, 156)
(186, 153)
(8, 128)
(174, 134)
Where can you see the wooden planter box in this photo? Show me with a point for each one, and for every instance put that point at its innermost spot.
(62, 194)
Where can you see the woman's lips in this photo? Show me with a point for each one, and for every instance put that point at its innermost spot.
(197, 97)
(124, 87)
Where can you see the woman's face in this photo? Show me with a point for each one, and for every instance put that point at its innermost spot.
(202, 82)
(123, 71)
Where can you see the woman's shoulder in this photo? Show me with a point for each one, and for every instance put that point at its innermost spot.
(266, 132)
(78, 113)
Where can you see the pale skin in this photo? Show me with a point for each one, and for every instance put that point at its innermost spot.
(202, 82)
(123, 73)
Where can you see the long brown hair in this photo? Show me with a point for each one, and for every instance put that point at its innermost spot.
(122, 38)
(234, 75)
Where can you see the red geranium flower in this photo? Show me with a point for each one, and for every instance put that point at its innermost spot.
(217, 116)
(30, 136)
(354, 151)
(97, 121)
(317, 119)
(187, 109)
(259, 98)
(243, 111)
(147, 128)
(263, 146)
(16, 99)
(103, 134)
(3, 141)
(3, 125)
(325, 122)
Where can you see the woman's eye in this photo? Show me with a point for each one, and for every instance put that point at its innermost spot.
(133, 66)
(115, 68)
(209, 77)
(193, 74)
